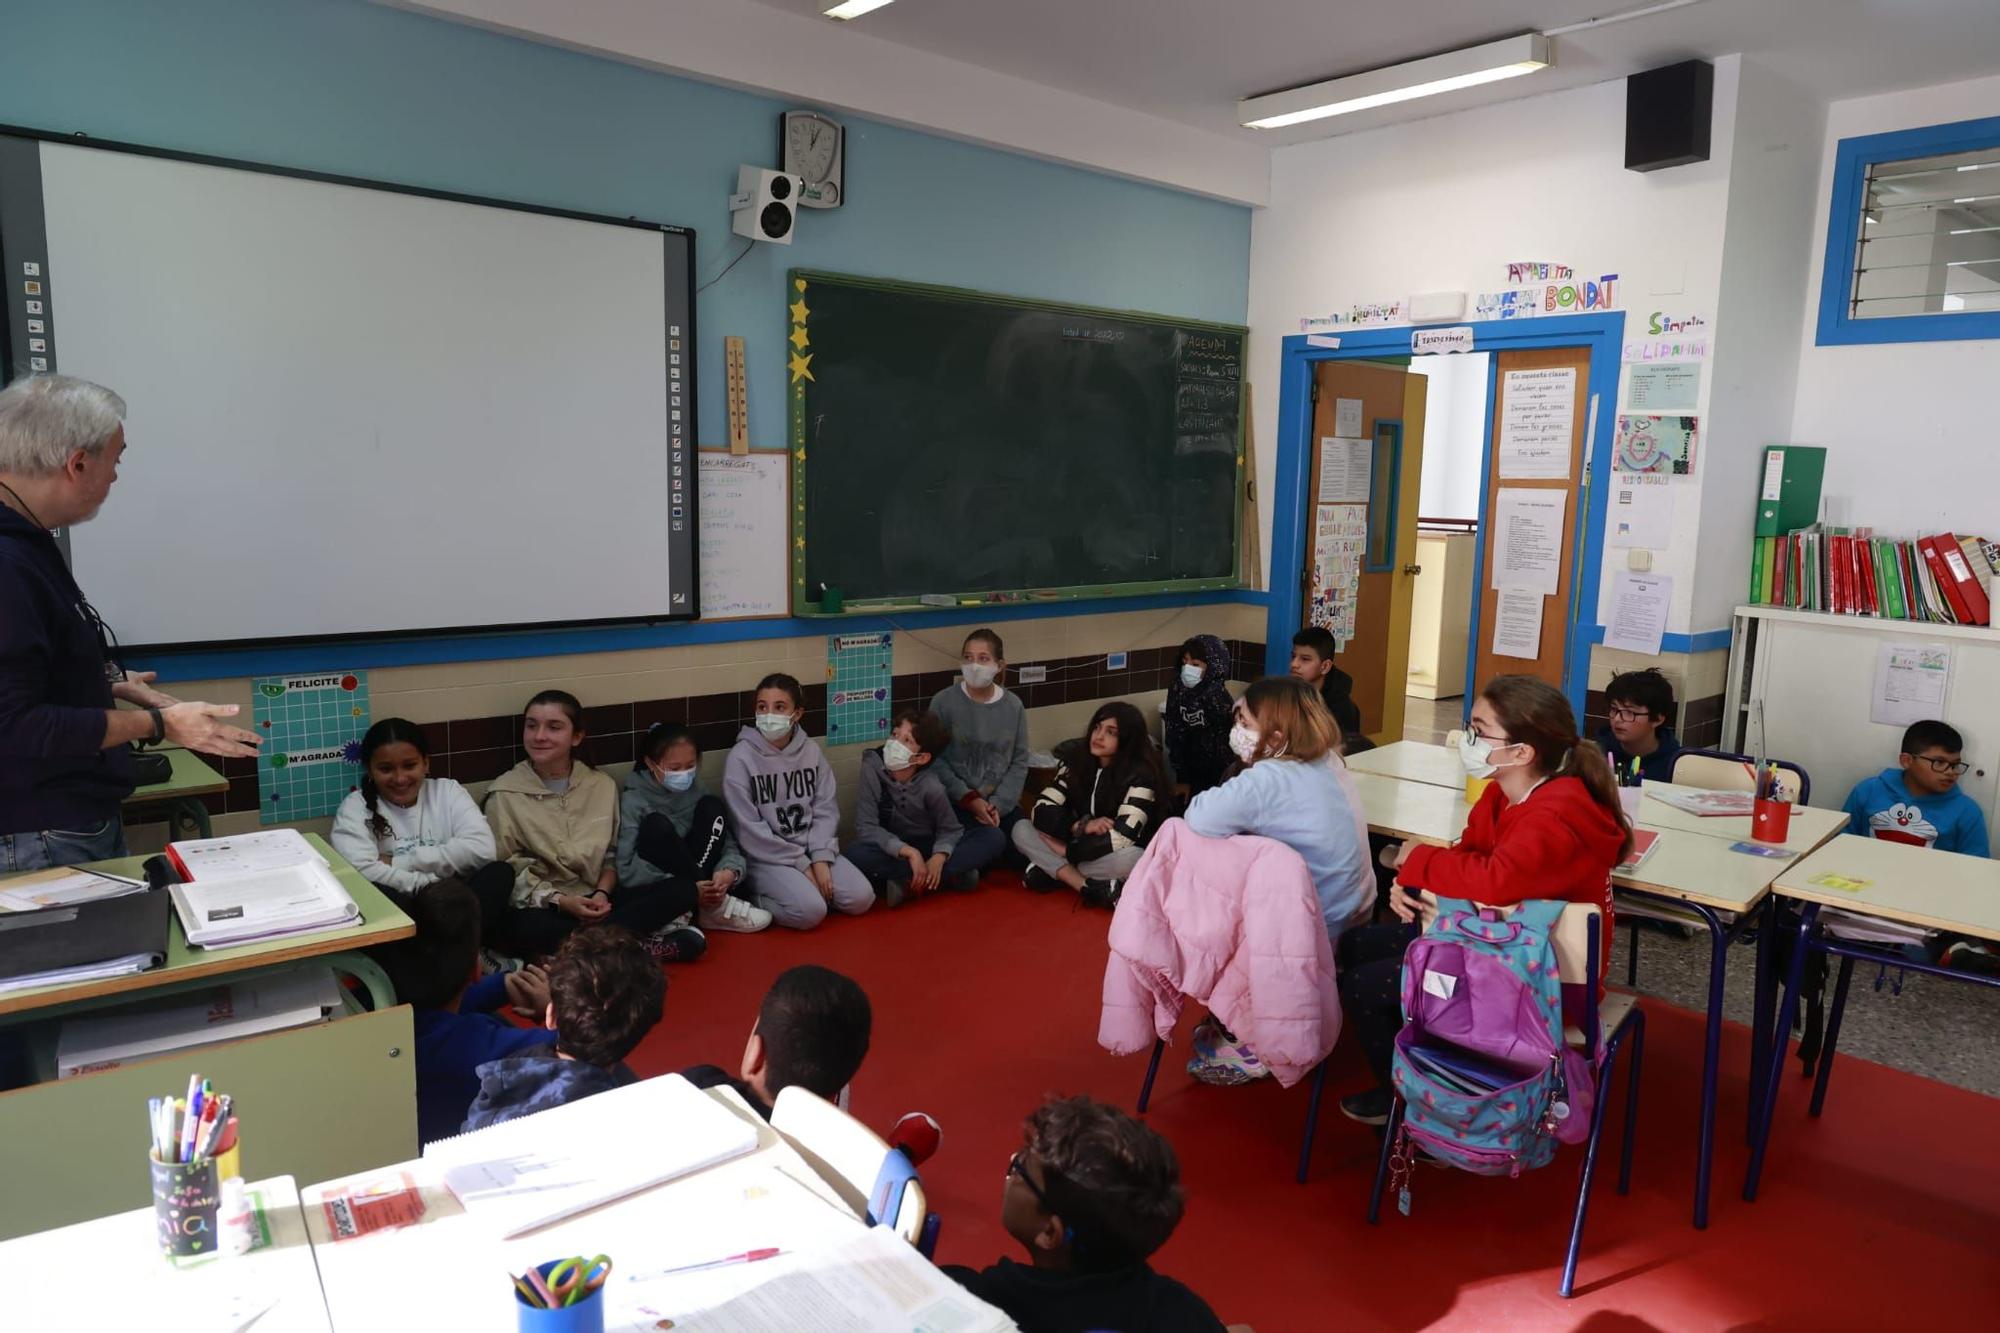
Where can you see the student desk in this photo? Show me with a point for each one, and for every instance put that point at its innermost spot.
(178, 799)
(1412, 761)
(1687, 868)
(447, 1271)
(1912, 885)
(324, 1099)
(109, 1273)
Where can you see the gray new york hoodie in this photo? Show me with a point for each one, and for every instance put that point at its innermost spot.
(782, 800)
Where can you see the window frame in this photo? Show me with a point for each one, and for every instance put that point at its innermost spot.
(1386, 526)
(1851, 161)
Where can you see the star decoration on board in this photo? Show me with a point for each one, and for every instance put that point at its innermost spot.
(800, 454)
(799, 312)
(799, 284)
(798, 338)
(801, 367)
(800, 543)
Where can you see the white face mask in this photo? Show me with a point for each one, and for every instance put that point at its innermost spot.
(1244, 740)
(979, 674)
(1476, 754)
(1190, 674)
(774, 725)
(897, 755)
(677, 779)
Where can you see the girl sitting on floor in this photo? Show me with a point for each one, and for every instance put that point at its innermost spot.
(1196, 716)
(1295, 789)
(779, 789)
(1549, 825)
(554, 818)
(1091, 824)
(674, 833)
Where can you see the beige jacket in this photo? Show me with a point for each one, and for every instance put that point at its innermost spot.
(556, 842)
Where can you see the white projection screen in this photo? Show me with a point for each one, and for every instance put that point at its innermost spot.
(354, 410)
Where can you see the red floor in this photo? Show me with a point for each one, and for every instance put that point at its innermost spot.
(1888, 1209)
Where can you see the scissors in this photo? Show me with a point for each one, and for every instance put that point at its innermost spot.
(573, 1279)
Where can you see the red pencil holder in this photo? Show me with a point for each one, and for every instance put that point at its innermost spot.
(1771, 820)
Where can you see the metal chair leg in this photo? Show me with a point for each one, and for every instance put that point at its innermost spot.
(1638, 1021)
(1832, 1036)
(1312, 1120)
(1152, 1068)
(1389, 1132)
(1589, 1164)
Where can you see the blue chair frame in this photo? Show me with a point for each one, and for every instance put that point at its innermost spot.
(885, 1201)
(1603, 1060)
(1312, 1107)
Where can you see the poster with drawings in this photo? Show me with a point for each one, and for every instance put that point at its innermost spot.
(1340, 535)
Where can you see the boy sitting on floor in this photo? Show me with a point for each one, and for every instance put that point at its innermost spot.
(1090, 1195)
(605, 994)
(906, 832)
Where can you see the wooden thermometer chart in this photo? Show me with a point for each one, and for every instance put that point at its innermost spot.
(739, 398)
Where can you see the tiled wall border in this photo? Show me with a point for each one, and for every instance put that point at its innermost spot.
(479, 749)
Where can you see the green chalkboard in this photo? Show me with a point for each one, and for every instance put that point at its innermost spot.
(957, 443)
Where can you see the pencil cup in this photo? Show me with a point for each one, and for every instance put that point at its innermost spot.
(1475, 788)
(586, 1316)
(1629, 798)
(1771, 820)
(186, 1200)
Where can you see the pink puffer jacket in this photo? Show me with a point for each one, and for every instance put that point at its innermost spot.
(1233, 923)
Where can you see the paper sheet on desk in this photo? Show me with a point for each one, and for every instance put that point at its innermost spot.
(874, 1283)
(57, 888)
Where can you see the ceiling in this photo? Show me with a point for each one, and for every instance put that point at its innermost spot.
(1191, 60)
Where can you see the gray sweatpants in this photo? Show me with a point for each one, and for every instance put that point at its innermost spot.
(1118, 865)
(794, 900)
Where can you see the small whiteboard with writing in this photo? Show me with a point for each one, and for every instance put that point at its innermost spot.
(745, 535)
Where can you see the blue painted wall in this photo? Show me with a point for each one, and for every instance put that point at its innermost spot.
(349, 87)
(358, 89)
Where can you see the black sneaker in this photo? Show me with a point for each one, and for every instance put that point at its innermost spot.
(1040, 880)
(1102, 892)
(1368, 1108)
(894, 892)
(681, 945)
(964, 881)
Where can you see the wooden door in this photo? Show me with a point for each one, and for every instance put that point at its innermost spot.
(1536, 375)
(1390, 419)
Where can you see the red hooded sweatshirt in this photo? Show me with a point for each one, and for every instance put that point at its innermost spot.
(1557, 843)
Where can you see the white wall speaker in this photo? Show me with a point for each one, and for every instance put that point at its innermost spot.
(765, 205)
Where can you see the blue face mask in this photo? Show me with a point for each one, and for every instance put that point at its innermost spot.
(677, 779)
(774, 725)
(1190, 674)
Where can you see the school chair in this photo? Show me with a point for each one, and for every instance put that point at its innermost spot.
(873, 1178)
(1312, 1106)
(1580, 957)
(1718, 770)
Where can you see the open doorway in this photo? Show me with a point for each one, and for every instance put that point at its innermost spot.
(1534, 520)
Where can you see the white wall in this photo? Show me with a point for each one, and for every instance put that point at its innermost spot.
(1908, 427)
(1443, 204)
(1753, 361)
(1454, 433)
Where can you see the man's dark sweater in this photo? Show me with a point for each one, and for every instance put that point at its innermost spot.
(54, 770)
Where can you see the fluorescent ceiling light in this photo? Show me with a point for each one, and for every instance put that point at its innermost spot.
(1449, 72)
(854, 9)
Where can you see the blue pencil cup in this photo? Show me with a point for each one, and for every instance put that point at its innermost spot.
(586, 1316)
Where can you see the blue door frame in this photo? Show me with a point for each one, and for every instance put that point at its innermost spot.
(1602, 333)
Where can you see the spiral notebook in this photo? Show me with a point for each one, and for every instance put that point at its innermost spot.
(526, 1173)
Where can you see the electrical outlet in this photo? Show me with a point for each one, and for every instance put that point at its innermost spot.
(1114, 661)
(1031, 675)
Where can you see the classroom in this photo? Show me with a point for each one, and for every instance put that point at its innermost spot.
(1344, 651)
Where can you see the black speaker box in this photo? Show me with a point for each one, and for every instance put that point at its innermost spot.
(1667, 115)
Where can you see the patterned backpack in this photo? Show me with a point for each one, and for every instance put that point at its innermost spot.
(1488, 1082)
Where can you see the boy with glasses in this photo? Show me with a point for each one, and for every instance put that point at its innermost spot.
(1090, 1195)
(1640, 706)
(1919, 803)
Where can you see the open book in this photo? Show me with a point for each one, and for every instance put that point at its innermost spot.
(251, 906)
(1705, 803)
(526, 1173)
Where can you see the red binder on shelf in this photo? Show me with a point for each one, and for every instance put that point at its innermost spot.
(1961, 613)
(1964, 586)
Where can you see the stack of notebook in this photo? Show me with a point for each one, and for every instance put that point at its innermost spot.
(260, 886)
(90, 940)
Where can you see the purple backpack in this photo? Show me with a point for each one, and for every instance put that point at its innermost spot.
(1488, 1082)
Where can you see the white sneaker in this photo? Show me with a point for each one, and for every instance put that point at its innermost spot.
(733, 914)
